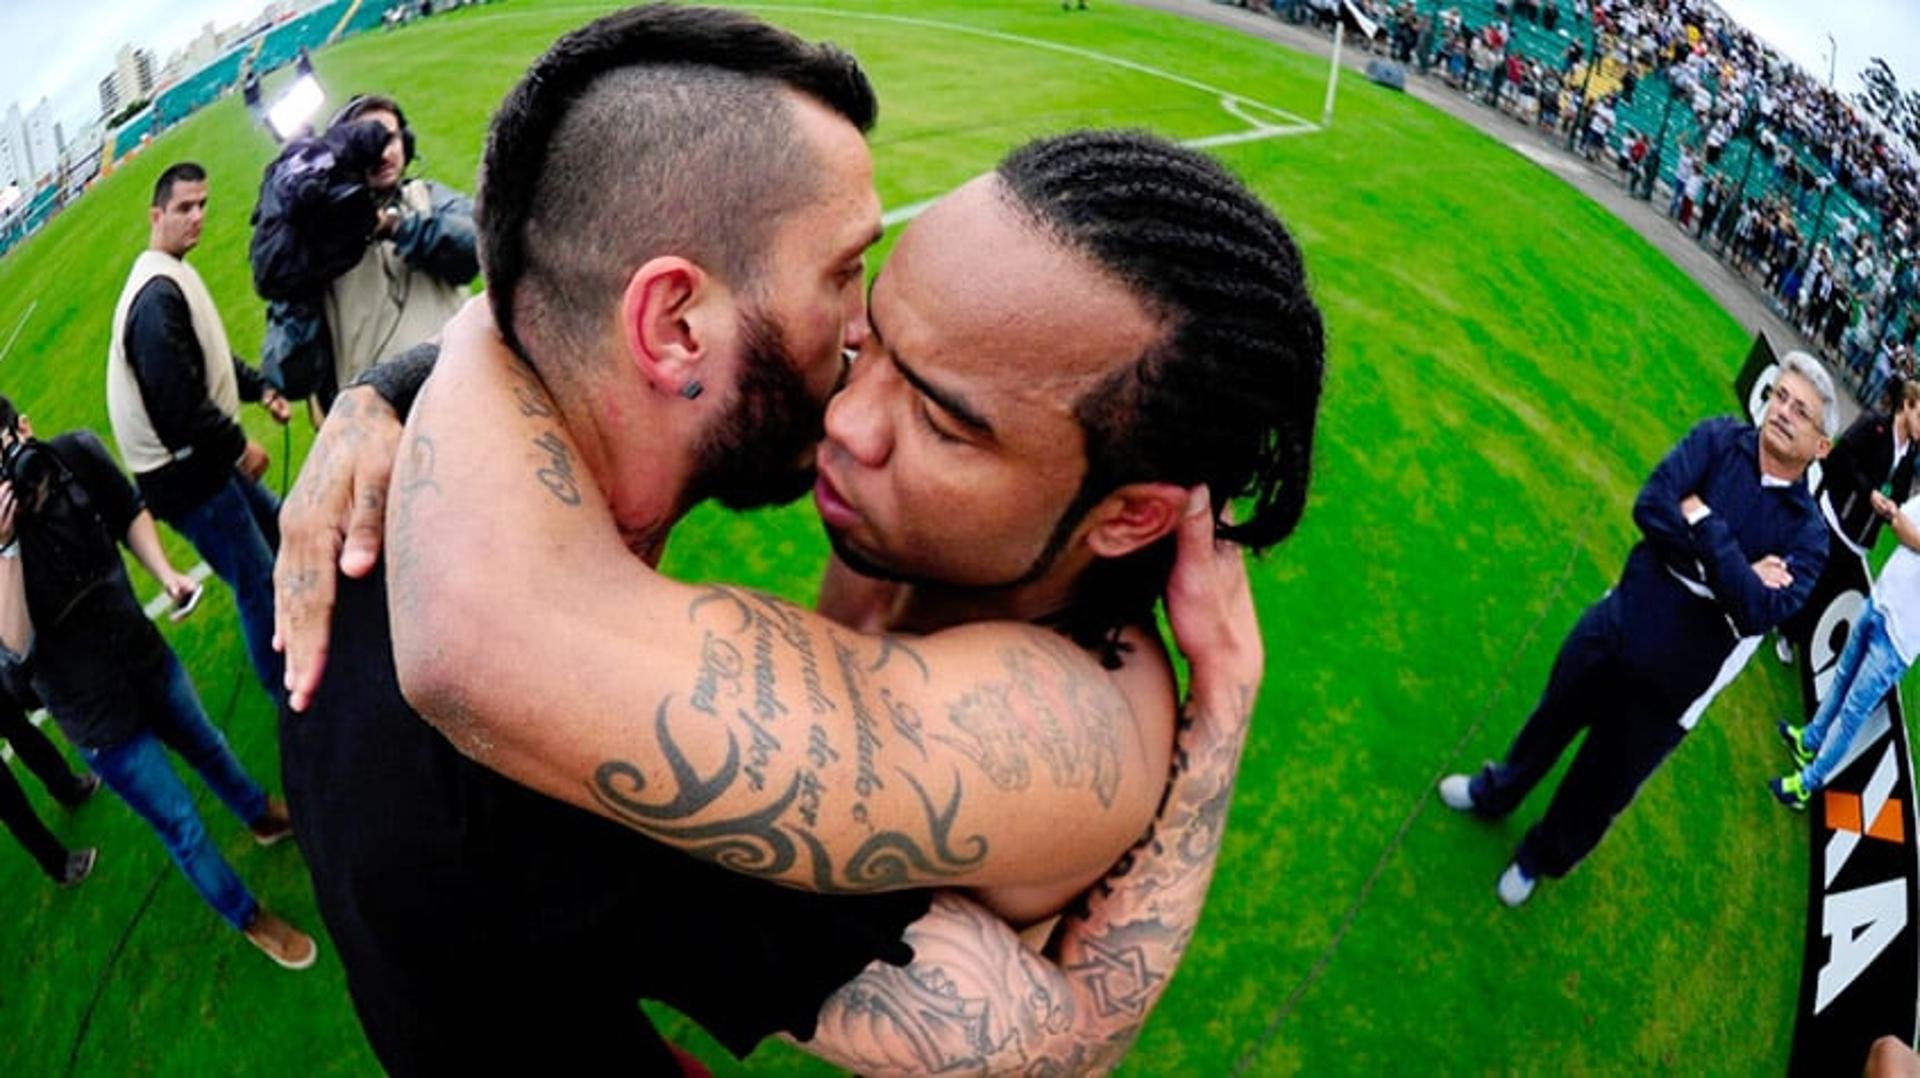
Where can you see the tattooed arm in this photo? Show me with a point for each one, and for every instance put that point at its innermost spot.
(740, 728)
(974, 999)
(331, 516)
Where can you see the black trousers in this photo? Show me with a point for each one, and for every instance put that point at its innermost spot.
(1630, 730)
(37, 751)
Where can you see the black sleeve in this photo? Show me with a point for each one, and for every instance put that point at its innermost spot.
(171, 372)
(248, 380)
(113, 495)
(1845, 470)
(398, 378)
(442, 240)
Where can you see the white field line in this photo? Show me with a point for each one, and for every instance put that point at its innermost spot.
(155, 607)
(17, 327)
(1033, 42)
(159, 604)
(908, 212)
(1232, 103)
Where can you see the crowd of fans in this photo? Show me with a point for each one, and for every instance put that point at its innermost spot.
(1783, 177)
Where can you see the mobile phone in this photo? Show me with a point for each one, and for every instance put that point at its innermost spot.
(182, 608)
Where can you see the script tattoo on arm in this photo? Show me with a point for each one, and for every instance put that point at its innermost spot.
(975, 1000)
(747, 641)
(801, 752)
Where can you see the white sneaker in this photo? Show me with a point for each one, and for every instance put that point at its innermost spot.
(1456, 792)
(1783, 651)
(1515, 885)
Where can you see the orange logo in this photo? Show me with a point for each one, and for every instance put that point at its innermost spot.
(1843, 814)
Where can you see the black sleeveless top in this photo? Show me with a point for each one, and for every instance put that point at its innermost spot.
(483, 924)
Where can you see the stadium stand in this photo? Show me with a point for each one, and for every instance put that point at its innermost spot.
(1762, 164)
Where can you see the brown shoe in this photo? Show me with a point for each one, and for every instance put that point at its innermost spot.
(280, 941)
(273, 825)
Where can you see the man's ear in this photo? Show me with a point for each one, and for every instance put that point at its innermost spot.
(153, 215)
(675, 317)
(1826, 446)
(1133, 517)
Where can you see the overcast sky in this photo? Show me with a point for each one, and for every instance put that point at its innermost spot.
(1862, 29)
(59, 49)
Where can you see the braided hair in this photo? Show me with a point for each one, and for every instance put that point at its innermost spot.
(651, 130)
(1228, 395)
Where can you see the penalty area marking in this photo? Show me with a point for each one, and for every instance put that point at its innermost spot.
(902, 214)
(1235, 105)
(1228, 99)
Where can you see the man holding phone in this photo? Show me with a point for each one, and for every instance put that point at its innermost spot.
(174, 389)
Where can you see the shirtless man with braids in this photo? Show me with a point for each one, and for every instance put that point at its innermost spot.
(1014, 515)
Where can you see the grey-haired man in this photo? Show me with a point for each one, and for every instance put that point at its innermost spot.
(1731, 544)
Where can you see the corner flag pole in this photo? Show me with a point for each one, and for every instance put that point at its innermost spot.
(1333, 73)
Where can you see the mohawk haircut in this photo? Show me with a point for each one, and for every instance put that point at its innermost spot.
(655, 130)
(1228, 396)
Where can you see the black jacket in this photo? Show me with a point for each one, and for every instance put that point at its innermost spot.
(96, 656)
(171, 372)
(1861, 463)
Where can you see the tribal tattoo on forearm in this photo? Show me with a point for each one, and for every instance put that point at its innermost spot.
(747, 638)
(809, 723)
(975, 1001)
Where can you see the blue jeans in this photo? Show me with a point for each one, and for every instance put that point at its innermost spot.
(1869, 666)
(137, 770)
(237, 530)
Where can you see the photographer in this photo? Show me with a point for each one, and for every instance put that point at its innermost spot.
(357, 261)
(113, 685)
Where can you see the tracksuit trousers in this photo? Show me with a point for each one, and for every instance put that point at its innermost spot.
(1630, 731)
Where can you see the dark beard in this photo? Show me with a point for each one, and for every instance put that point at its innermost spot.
(760, 452)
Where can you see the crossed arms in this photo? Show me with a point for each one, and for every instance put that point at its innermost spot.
(1756, 595)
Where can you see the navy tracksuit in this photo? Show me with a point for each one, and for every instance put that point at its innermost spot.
(1641, 665)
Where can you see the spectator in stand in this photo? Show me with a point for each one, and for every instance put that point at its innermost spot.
(1682, 173)
(1734, 86)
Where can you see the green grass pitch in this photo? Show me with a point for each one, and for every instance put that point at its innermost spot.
(1506, 364)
